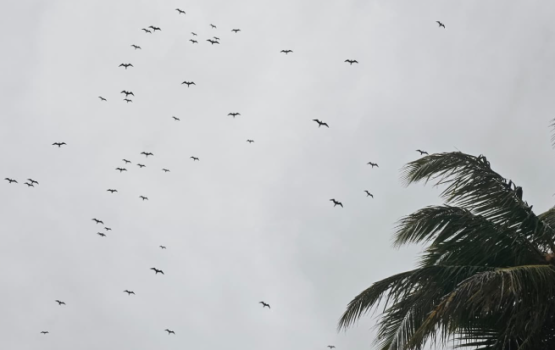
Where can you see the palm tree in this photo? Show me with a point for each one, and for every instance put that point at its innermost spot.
(487, 277)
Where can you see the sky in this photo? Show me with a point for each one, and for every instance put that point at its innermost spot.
(247, 222)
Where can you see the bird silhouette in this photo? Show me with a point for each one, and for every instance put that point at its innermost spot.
(10, 180)
(234, 114)
(143, 198)
(121, 169)
(440, 24)
(373, 164)
(147, 154)
(176, 118)
(351, 62)
(213, 41)
(213, 26)
(321, 123)
(29, 184)
(216, 38)
(59, 144)
(136, 47)
(368, 194)
(101, 234)
(140, 165)
(98, 221)
(129, 292)
(126, 161)
(421, 152)
(194, 158)
(60, 302)
(126, 65)
(188, 83)
(32, 181)
(147, 31)
(127, 93)
(193, 41)
(111, 190)
(286, 51)
(180, 11)
(265, 304)
(169, 331)
(102, 98)
(165, 170)
(195, 34)
(44, 332)
(127, 100)
(107, 229)
(331, 346)
(335, 203)
(155, 28)
(157, 271)
(236, 30)
(163, 247)
(250, 141)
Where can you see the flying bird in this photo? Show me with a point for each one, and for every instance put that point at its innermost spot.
(176, 118)
(136, 47)
(250, 141)
(321, 123)
(213, 26)
(265, 305)
(421, 152)
(107, 229)
(331, 346)
(101, 234)
(286, 51)
(368, 194)
(121, 169)
(180, 11)
(127, 100)
(194, 158)
(213, 41)
(102, 98)
(29, 184)
(127, 93)
(140, 165)
(373, 165)
(195, 34)
(351, 62)
(10, 180)
(32, 181)
(59, 144)
(157, 271)
(216, 38)
(155, 28)
(147, 154)
(188, 83)
(234, 114)
(440, 24)
(236, 30)
(193, 41)
(147, 31)
(143, 198)
(126, 161)
(169, 331)
(98, 221)
(60, 302)
(165, 170)
(44, 332)
(335, 203)
(111, 190)
(163, 247)
(126, 65)
(129, 292)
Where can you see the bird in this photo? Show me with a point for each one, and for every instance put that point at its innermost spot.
(126, 65)
(421, 152)
(126, 161)
(165, 170)
(169, 331)
(147, 154)
(213, 41)
(373, 164)
(10, 180)
(180, 11)
(368, 194)
(102, 98)
(140, 165)
(236, 30)
(188, 83)
(60, 302)
(121, 169)
(335, 203)
(265, 305)
(195, 34)
(320, 123)
(129, 292)
(29, 184)
(286, 51)
(331, 346)
(127, 100)
(163, 247)
(107, 229)
(213, 26)
(143, 198)
(101, 234)
(194, 158)
(157, 271)
(98, 221)
(127, 93)
(136, 47)
(176, 118)
(351, 62)
(250, 141)
(440, 24)
(155, 28)
(59, 144)
(44, 332)
(193, 41)
(147, 31)
(111, 190)
(234, 114)
(216, 38)
(33, 181)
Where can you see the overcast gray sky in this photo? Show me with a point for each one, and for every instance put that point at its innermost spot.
(248, 222)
